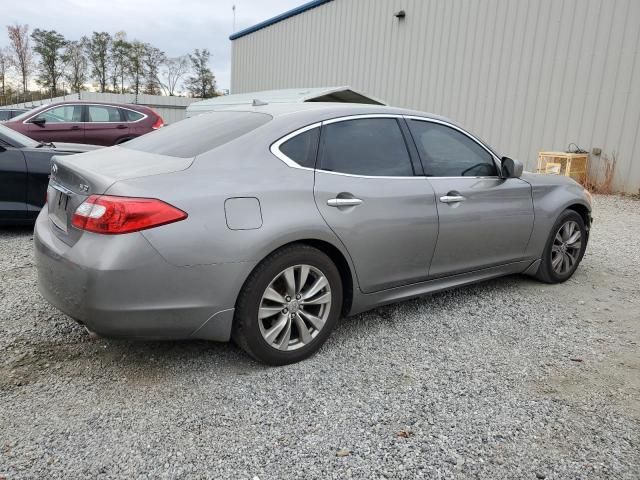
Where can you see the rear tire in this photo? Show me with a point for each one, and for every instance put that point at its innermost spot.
(565, 248)
(288, 306)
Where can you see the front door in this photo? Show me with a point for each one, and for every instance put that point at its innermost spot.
(484, 220)
(62, 123)
(367, 192)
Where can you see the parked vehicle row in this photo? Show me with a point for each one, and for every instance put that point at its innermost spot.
(9, 113)
(25, 165)
(95, 123)
(268, 223)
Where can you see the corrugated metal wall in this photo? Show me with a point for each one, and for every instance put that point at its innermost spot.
(526, 75)
(171, 109)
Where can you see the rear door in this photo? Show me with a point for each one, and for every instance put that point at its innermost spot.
(13, 183)
(484, 220)
(105, 125)
(62, 123)
(369, 194)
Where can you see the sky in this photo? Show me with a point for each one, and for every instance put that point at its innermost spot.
(177, 27)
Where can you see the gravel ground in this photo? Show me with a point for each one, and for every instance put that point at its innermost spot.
(507, 379)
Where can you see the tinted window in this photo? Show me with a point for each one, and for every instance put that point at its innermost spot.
(103, 113)
(5, 115)
(371, 146)
(302, 148)
(448, 153)
(132, 116)
(64, 113)
(197, 135)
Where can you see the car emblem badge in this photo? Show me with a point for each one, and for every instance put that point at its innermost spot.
(54, 169)
(84, 188)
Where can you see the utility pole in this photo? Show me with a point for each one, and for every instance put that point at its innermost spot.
(233, 8)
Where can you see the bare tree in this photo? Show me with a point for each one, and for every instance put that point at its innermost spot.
(4, 66)
(137, 54)
(76, 65)
(153, 59)
(119, 54)
(173, 71)
(21, 56)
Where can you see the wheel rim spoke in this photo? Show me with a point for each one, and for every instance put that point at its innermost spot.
(290, 279)
(274, 331)
(271, 294)
(266, 312)
(283, 344)
(324, 298)
(303, 330)
(304, 275)
(315, 288)
(317, 322)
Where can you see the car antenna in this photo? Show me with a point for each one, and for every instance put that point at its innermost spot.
(259, 103)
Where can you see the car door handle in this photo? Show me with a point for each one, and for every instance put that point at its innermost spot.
(452, 198)
(122, 126)
(344, 202)
(75, 127)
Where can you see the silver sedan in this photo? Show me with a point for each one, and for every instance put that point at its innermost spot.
(267, 224)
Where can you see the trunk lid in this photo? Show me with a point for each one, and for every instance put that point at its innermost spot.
(74, 178)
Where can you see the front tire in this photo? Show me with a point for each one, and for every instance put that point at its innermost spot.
(565, 248)
(288, 305)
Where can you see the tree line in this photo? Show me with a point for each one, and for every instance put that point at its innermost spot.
(111, 63)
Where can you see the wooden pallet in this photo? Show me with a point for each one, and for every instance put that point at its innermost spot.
(574, 165)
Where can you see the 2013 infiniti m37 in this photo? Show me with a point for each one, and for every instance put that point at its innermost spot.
(266, 224)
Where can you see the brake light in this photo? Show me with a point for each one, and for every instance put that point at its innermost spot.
(114, 215)
(159, 123)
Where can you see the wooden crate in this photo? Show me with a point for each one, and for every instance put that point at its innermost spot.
(574, 165)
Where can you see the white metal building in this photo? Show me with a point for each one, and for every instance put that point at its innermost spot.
(525, 75)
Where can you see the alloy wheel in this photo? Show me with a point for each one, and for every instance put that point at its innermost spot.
(565, 250)
(294, 307)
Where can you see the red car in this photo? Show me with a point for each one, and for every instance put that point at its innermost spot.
(95, 123)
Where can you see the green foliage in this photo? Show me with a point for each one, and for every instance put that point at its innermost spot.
(49, 45)
(97, 49)
(202, 84)
(76, 65)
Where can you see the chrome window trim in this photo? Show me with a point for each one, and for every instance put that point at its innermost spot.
(144, 115)
(275, 147)
(495, 159)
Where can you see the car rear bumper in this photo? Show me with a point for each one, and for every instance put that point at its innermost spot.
(119, 286)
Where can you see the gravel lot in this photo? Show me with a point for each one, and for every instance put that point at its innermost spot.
(508, 379)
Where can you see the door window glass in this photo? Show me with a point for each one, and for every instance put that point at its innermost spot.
(370, 146)
(103, 113)
(447, 152)
(64, 113)
(302, 148)
(132, 116)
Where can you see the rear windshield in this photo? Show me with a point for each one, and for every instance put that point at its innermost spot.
(197, 135)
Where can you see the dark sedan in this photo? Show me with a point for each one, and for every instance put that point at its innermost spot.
(25, 165)
(86, 122)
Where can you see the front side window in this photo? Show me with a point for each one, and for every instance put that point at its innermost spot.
(302, 148)
(103, 113)
(446, 152)
(368, 146)
(64, 113)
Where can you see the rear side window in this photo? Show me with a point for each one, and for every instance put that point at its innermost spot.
(197, 135)
(103, 113)
(370, 147)
(302, 148)
(5, 115)
(446, 152)
(131, 116)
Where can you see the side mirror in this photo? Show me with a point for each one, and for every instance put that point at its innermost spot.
(40, 121)
(511, 168)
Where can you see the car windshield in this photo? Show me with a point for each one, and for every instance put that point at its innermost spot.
(16, 139)
(194, 136)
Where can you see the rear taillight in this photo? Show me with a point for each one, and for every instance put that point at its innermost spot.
(159, 123)
(113, 215)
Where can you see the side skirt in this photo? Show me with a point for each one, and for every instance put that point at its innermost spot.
(363, 302)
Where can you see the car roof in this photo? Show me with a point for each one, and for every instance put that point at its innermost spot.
(90, 102)
(325, 110)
